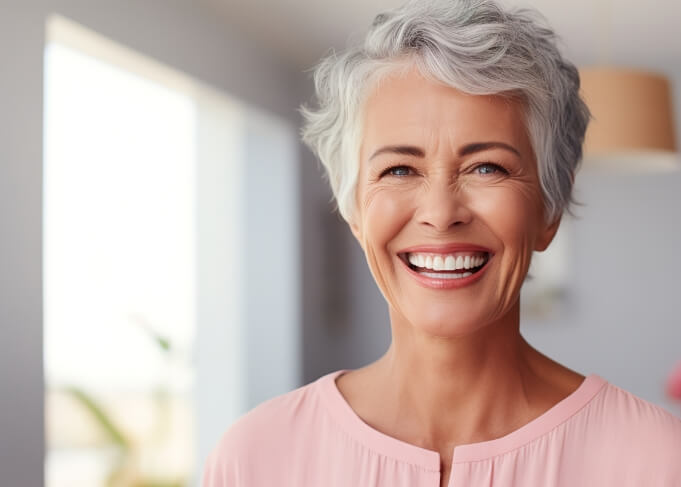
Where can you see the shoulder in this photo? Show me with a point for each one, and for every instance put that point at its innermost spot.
(265, 433)
(633, 436)
(270, 419)
(639, 418)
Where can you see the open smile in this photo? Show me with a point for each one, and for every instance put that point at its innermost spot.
(446, 270)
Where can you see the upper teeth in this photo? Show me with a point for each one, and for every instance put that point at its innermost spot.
(446, 262)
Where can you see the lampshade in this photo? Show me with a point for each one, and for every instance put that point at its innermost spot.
(632, 116)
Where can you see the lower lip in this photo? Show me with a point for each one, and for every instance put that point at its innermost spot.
(435, 283)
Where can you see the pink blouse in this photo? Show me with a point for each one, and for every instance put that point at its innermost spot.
(600, 435)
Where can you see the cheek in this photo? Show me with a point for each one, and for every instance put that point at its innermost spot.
(385, 211)
(511, 212)
(384, 215)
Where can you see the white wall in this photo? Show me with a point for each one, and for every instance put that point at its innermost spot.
(174, 32)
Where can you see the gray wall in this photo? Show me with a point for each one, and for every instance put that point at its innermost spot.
(623, 320)
(174, 32)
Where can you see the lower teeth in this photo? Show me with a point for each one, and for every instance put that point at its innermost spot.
(446, 275)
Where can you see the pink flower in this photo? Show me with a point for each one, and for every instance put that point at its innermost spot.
(673, 386)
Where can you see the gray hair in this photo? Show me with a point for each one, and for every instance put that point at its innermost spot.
(474, 46)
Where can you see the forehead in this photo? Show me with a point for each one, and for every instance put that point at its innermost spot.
(410, 108)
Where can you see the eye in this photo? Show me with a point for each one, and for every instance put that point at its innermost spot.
(489, 168)
(399, 171)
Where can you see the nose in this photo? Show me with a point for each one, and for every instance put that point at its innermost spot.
(443, 206)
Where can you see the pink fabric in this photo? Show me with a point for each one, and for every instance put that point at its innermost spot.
(600, 435)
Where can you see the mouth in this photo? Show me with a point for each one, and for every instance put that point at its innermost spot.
(448, 266)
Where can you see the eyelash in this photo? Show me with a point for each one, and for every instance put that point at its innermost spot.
(391, 168)
(497, 167)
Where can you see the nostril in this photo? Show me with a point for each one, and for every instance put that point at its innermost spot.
(444, 216)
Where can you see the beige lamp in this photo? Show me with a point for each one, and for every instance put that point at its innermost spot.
(633, 123)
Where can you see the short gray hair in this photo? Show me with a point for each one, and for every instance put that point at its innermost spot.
(475, 46)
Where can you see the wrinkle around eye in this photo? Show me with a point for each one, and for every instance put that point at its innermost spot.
(392, 188)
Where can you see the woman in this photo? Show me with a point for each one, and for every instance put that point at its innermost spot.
(451, 140)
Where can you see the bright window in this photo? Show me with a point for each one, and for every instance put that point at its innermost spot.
(122, 153)
(165, 202)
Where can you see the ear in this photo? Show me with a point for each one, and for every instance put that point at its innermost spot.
(545, 237)
(354, 228)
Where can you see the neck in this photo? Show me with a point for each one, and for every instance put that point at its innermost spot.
(463, 389)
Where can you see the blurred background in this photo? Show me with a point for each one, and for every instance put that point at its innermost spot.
(169, 253)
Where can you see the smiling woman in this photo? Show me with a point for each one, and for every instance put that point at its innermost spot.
(451, 139)
(471, 190)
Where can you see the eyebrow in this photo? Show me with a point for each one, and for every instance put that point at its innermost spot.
(410, 150)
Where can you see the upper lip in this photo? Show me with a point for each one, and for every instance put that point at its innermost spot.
(446, 248)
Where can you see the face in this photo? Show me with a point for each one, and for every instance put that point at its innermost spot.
(449, 206)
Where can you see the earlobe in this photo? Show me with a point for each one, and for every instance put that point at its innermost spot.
(356, 232)
(547, 236)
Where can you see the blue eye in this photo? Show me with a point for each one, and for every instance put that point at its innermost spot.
(399, 171)
(489, 168)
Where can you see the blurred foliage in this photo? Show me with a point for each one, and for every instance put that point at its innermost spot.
(126, 470)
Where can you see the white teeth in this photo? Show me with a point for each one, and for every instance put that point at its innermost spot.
(438, 263)
(445, 262)
(445, 275)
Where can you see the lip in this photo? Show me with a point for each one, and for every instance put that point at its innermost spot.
(447, 248)
(435, 283)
